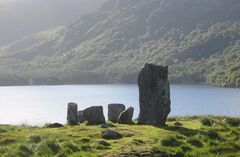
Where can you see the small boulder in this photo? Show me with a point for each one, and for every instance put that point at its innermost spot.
(126, 116)
(104, 126)
(54, 125)
(107, 125)
(81, 117)
(72, 114)
(171, 119)
(111, 134)
(94, 115)
(114, 111)
(104, 143)
(178, 124)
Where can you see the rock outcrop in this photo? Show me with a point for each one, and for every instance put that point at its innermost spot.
(126, 116)
(72, 114)
(154, 95)
(114, 111)
(94, 115)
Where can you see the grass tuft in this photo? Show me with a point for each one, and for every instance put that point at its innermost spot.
(170, 141)
(213, 135)
(206, 122)
(195, 142)
(7, 141)
(34, 139)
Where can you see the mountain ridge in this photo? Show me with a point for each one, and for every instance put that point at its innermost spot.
(199, 40)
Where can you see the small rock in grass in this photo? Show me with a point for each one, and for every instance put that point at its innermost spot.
(104, 126)
(111, 134)
(178, 124)
(104, 143)
(107, 125)
(54, 125)
(171, 119)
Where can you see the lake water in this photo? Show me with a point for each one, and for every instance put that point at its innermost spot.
(37, 105)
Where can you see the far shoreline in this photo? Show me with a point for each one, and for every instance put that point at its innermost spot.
(106, 84)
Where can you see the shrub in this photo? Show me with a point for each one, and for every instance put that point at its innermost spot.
(7, 141)
(195, 142)
(34, 139)
(53, 147)
(185, 148)
(48, 148)
(179, 153)
(213, 135)
(206, 122)
(2, 130)
(234, 122)
(85, 147)
(85, 140)
(71, 146)
(24, 151)
(170, 141)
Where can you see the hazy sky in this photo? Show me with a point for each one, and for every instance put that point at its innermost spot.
(19, 18)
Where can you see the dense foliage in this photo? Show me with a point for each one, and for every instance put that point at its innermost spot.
(199, 40)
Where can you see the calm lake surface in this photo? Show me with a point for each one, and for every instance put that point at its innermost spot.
(37, 105)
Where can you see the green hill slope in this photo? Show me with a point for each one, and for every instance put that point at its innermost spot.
(200, 40)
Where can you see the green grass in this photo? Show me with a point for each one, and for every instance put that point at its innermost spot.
(193, 138)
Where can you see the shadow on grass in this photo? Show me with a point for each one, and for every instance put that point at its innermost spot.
(182, 130)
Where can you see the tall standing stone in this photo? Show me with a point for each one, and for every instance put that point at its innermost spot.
(154, 95)
(72, 114)
(114, 111)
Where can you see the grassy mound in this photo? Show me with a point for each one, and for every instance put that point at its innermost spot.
(196, 137)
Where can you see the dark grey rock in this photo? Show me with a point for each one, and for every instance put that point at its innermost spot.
(107, 125)
(81, 117)
(94, 115)
(154, 95)
(104, 143)
(111, 134)
(104, 125)
(114, 111)
(171, 119)
(72, 114)
(54, 125)
(126, 116)
(178, 124)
